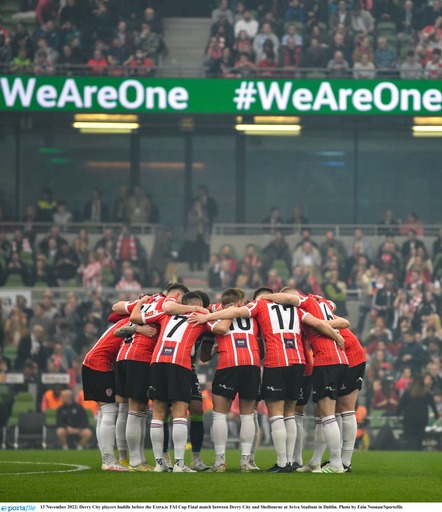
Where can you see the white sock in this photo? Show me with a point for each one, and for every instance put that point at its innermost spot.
(320, 443)
(279, 436)
(290, 426)
(297, 454)
(339, 422)
(348, 434)
(246, 435)
(106, 430)
(135, 421)
(179, 437)
(220, 433)
(333, 439)
(120, 430)
(143, 438)
(255, 437)
(157, 438)
(98, 427)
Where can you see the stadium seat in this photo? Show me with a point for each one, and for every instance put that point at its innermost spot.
(28, 432)
(385, 28)
(49, 429)
(281, 267)
(10, 352)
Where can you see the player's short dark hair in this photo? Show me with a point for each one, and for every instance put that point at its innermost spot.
(230, 296)
(204, 297)
(176, 286)
(261, 291)
(190, 297)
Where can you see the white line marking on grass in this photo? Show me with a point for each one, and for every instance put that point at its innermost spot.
(74, 467)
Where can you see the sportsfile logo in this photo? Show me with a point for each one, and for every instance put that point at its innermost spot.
(18, 508)
(288, 96)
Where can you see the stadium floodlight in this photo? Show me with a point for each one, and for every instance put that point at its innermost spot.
(269, 129)
(427, 131)
(106, 127)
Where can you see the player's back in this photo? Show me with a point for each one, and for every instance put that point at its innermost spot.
(325, 350)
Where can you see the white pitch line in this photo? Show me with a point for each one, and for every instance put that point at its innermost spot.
(76, 467)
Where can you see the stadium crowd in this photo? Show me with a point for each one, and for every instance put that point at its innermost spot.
(255, 38)
(399, 289)
(82, 37)
(321, 38)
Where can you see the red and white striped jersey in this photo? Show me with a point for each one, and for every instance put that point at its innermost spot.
(176, 340)
(239, 346)
(281, 329)
(102, 355)
(325, 350)
(139, 347)
(353, 349)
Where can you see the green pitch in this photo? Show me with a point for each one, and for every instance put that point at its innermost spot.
(41, 476)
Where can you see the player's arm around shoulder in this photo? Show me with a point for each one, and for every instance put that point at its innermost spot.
(323, 327)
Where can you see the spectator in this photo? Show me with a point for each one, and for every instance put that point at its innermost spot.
(51, 398)
(252, 258)
(72, 423)
(32, 347)
(162, 255)
(91, 273)
(50, 32)
(384, 397)
(268, 63)
(411, 354)
(272, 221)
(336, 291)
(364, 69)
(315, 56)
(5, 51)
(15, 327)
(411, 69)
(223, 66)
(412, 222)
(383, 301)
(98, 63)
(414, 406)
(148, 41)
(341, 15)
(128, 280)
(127, 248)
(120, 50)
(247, 23)
(119, 209)
(433, 68)
(264, 34)
(338, 67)
(291, 34)
(290, 58)
(277, 249)
(139, 207)
(298, 220)
(388, 224)
(363, 47)
(66, 265)
(62, 216)
(21, 40)
(362, 22)
(214, 273)
(140, 64)
(411, 245)
(248, 277)
(307, 256)
(208, 203)
(385, 59)
(244, 67)
(385, 10)
(222, 11)
(196, 235)
(407, 19)
(340, 43)
(333, 242)
(431, 12)
(21, 64)
(365, 244)
(46, 10)
(273, 280)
